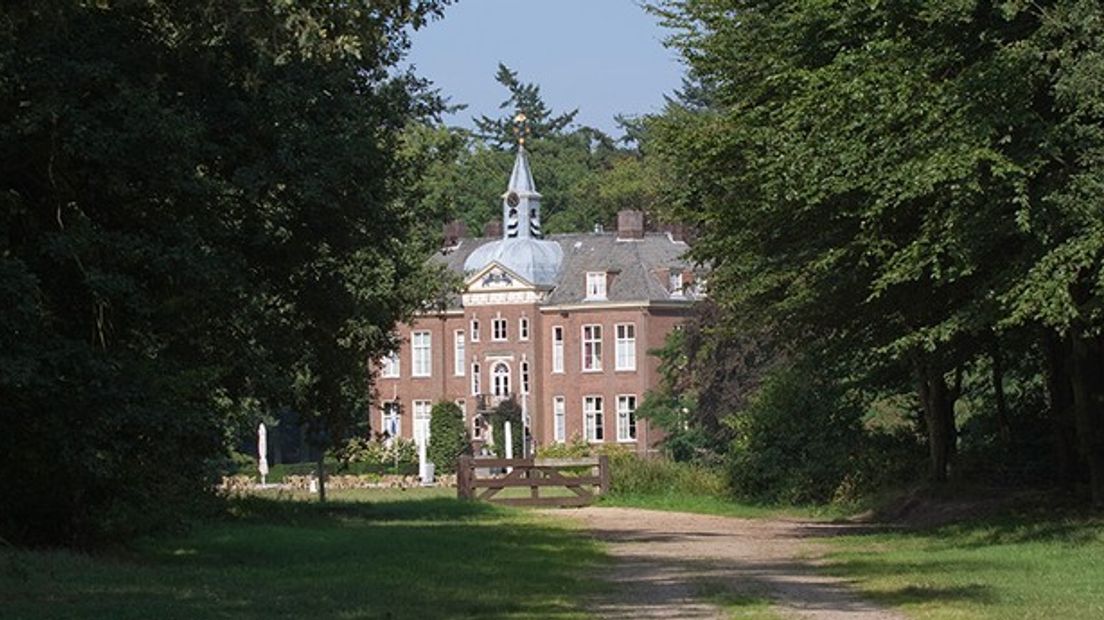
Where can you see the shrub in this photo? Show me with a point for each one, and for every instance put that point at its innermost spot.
(448, 438)
(575, 448)
(797, 441)
(632, 475)
(507, 411)
(376, 451)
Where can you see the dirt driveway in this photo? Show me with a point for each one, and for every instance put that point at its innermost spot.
(669, 564)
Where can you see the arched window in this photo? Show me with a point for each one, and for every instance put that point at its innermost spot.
(501, 379)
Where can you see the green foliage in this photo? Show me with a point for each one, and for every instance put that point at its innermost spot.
(405, 467)
(377, 451)
(448, 437)
(795, 442)
(706, 375)
(633, 475)
(525, 98)
(576, 448)
(202, 219)
(584, 177)
(901, 187)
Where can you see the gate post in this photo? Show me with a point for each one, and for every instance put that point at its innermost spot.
(463, 477)
(603, 474)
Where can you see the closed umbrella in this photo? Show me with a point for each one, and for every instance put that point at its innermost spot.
(262, 451)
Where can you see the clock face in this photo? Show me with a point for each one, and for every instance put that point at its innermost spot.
(512, 199)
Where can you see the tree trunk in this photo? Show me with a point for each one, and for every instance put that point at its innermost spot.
(938, 399)
(1004, 427)
(1060, 393)
(1087, 379)
(321, 470)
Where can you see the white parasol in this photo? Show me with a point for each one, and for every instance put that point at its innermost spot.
(262, 452)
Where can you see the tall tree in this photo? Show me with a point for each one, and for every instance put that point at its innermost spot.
(897, 179)
(200, 218)
(524, 97)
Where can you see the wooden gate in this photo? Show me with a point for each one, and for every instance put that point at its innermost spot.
(584, 479)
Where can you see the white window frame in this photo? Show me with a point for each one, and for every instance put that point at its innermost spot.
(496, 323)
(676, 282)
(558, 349)
(421, 355)
(596, 285)
(476, 378)
(525, 377)
(625, 346)
(523, 328)
(474, 329)
(559, 419)
(594, 344)
(626, 417)
(500, 382)
(389, 411)
(391, 366)
(421, 418)
(593, 419)
(459, 360)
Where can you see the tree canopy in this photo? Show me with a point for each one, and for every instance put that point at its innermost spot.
(906, 184)
(201, 217)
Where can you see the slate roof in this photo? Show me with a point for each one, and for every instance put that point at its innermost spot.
(639, 266)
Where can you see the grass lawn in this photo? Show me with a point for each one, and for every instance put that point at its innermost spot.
(1013, 567)
(367, 554)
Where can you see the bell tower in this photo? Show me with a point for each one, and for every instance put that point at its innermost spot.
(521, 202)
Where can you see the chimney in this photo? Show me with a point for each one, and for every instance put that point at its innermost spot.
(454, 231)
(630, 224)
(678, 232)
(492, 229)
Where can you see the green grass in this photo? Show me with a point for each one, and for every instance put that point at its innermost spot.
(401, 554)
(1012, 567)
(685, 502)
(713, 505)
(738, 605)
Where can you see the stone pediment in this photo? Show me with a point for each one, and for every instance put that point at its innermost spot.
(496, 284)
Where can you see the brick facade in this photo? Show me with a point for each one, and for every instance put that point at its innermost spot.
(606, 298)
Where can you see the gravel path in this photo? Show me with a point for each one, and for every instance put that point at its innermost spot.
(668, 562)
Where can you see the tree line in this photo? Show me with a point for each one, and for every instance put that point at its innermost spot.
(901, 202)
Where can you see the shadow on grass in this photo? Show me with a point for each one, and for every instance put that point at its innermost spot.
(267, 510)
(432, 558)
(974, 593)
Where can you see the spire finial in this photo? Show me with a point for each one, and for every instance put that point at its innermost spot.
(521, 127)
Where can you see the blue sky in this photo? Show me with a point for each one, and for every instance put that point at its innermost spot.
(602, 56)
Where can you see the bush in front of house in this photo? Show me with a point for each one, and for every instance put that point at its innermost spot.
(507, 411)
(448, 438)
(631, 474)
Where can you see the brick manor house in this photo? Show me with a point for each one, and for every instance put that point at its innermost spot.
(562, 323)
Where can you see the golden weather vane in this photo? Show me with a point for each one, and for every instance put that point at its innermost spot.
(521, 127)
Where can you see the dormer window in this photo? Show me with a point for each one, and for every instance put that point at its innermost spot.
(596, 285)
(675, 283)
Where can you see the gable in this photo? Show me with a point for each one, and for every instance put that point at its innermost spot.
(496, 284)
